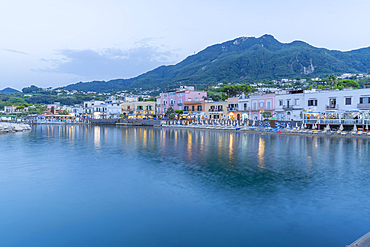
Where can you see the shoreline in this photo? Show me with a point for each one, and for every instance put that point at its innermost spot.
(275, 132)
(6, 127)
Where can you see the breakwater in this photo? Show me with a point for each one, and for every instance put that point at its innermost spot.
(6, 127)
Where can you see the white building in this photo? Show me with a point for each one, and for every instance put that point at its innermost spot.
(244, 106)
(113, 109)
(289, 105)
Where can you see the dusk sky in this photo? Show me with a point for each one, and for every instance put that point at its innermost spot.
(55, 43)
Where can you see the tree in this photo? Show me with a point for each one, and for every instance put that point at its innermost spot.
(141, 98)
(170, 111)
(234, 90)
(348, 83)
(151, 99)
(178, 112)
(266, 114)
(52, 109)
(31, 89)
(332, 80)
(64, 112)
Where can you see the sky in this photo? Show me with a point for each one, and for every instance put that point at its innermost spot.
(56, 43)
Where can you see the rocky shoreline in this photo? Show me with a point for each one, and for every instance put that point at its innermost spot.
(13, 127)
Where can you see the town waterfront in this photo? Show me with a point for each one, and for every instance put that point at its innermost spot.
(83, 185)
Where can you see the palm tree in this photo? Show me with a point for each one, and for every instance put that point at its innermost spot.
(332, 79)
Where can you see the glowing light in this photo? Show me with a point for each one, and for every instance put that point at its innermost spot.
(261, 153)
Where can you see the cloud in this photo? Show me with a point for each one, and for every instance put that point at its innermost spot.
(109, 63)
(15, 51)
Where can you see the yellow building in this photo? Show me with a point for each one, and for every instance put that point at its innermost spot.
(216, 110)
(138, 109)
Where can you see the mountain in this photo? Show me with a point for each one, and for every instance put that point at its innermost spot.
(9, 90)
(245, 59)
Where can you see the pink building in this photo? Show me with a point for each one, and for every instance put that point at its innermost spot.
(176, 99)
(261, 103)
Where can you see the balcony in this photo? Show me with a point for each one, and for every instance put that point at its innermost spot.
(179, 103)
(291, 107)
(232, 108)
(332, 106)
(363, 106)
(215, 110)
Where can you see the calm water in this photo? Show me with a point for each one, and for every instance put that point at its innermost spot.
(123, 186)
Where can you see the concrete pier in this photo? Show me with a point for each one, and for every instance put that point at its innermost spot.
(364, 241)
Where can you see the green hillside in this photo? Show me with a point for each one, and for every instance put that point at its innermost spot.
(244, 60)
(9, 90)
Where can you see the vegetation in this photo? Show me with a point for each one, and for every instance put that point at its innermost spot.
(234, 90)
(266, 114)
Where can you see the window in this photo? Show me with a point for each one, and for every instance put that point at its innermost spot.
(348, 101)
(199, 108)
(192, 108)
(296, 102)
(268, 105)
(312, 102)
(364, 100)
(261, 104)
(180, 101)
(245, 106)
(280, 102)
(254, 105)
(186, 108)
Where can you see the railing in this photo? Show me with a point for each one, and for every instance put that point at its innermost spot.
(363, 106)
(179, 103)
(291, 107)
(215, 110)
(330, 106)
(232, 108)
(337, 121)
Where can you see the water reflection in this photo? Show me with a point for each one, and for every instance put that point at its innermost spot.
(261, 153)
(97, 137)
(183, 175)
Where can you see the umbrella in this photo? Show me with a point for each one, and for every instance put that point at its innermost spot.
(327, 127)
(261, 123)
(366, 127)
(277, 125)
(305, 125)
(302, 127)
(288, 125)
(341, 127)
(314, 126)
(268, 124)
(253, 122)
(354, 127)
(247, 122)
(296, 125)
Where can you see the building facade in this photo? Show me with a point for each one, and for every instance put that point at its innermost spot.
(176, 99)
(261, 103)
(216, 110)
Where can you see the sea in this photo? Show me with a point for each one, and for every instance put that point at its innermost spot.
(86, 185)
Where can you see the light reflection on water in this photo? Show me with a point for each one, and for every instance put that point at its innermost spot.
(181, 187)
